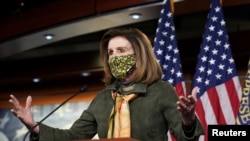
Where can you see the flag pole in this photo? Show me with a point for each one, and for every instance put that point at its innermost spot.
(172, 5)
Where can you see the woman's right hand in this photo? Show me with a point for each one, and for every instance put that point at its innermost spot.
(24, 113)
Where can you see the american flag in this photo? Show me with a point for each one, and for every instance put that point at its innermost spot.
(243, 115)
(167, 53)
(219, 90)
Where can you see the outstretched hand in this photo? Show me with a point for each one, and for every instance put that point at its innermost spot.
(186, 106)
(23, 113)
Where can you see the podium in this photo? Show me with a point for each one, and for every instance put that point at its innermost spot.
(115, 139)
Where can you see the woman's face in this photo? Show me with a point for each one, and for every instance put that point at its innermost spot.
(119, 46)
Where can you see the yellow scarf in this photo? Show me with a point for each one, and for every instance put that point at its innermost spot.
(119, 122)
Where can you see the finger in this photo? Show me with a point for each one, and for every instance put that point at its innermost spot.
(14, 112)
(194, 91)
(12, 98)
(182, 110)
(28, 102)
(14, 101)
(181, 105)
(193, 96)
(185, 101)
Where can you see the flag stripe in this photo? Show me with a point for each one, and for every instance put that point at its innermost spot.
(179, 88)
(170, 137)
(207, 106)
(225, 97)
(215, 103)
(200, 112)
(234, 99)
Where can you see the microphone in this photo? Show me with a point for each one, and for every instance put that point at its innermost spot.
(82, 89)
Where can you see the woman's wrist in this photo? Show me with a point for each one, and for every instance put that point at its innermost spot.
(34, 127)
(189, 122)
(190, 128)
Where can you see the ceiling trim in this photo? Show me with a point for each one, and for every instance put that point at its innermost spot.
(80, 27)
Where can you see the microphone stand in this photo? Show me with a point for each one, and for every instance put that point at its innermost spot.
(82, 89)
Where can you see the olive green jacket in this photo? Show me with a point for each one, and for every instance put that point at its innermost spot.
(153, 113)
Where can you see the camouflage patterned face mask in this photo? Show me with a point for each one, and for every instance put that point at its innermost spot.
(121, 66)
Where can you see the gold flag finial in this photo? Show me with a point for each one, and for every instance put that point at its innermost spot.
(172, 5)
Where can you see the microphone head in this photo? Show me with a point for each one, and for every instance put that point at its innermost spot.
(83, 88)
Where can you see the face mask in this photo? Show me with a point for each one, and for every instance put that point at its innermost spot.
(121, 66)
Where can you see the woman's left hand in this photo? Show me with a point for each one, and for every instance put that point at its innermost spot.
(186, 106)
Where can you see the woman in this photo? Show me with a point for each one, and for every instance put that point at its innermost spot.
(136, 103)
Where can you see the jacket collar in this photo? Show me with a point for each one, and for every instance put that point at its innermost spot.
(128, 88)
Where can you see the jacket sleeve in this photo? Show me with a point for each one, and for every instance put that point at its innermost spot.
(82, 128)
(174, 119)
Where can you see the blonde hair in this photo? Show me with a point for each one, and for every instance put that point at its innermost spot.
(147, 68)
